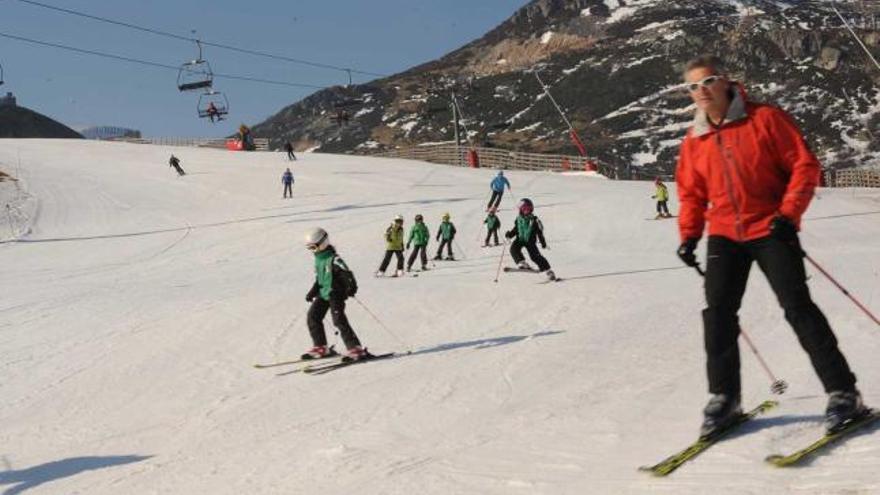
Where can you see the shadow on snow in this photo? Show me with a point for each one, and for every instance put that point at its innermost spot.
(32, 477)
(484, 343)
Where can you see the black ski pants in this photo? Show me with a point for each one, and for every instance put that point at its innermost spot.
(288, 189)
(387, 259)
(490, 234)
(447, 243)
(318, 311)
(662, 208)
(418, 250)
(727, 272)
(516, 248)
(495, 200)
(290, 156)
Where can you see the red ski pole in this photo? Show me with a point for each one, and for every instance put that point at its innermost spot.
(842, 289)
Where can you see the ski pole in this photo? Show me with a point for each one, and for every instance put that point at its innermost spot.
(777, 386)
(399, 340)
(459, 248)
(842, 289)
(501, 260)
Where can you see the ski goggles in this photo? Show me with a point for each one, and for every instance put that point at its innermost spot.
(703, 83)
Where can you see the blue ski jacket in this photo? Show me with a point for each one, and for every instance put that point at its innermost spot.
(499, 182)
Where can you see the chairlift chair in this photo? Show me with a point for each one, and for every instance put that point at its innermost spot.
(220, 104)
(348, 103)
(196, 74)
(1, 74)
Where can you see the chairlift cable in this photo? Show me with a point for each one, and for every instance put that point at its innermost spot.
(206, 43)
(155, 64)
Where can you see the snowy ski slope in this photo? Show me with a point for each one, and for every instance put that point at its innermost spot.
(132, 316)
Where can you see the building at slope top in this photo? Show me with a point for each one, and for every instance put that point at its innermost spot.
(109, 132)
(8, 100)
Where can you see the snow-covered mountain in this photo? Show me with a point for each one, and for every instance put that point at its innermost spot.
(614, 66)
(132, 313)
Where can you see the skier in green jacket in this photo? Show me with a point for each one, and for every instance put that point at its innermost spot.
(419, 236)
(393, 247)
(662, 197)
(492, 225)
(445, 235)
(334, 283)
(526, 233)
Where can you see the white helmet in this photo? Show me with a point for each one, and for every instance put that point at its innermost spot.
(398, 218)
(316, 239)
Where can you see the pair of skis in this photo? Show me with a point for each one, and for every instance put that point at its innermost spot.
(516, 269)
(320, 366)
(673, 462)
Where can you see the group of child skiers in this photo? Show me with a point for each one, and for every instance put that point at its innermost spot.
(419, 235)
(334, 282)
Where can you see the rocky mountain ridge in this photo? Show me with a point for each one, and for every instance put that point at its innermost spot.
(614, 67)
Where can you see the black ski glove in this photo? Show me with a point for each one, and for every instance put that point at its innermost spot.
(783, 229)
(407, 245)
(686, 251)
(311, 295)
(510, 234)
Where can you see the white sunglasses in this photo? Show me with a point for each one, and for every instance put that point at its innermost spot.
(704, 83)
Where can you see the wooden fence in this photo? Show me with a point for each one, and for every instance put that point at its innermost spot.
(261, 144)
(463, 156)
(852, 177)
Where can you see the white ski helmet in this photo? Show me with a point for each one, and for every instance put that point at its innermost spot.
(317, 239)
(398, 218)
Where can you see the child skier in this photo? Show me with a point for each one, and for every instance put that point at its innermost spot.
(334, 283)
(287, 180)
(418, 235)
(526, 231)
(492, 225)
(446, 232)
(662, 197)
(393, 246)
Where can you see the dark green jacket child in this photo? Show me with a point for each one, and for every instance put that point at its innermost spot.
(492, 225)
(445, 235)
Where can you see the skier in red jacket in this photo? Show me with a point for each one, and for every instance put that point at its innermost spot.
(745, 169)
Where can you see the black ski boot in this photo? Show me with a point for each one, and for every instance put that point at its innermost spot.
(842, 408)
(720, 412)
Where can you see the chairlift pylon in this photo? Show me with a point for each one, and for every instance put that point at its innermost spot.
(195, 74)
(213, 105)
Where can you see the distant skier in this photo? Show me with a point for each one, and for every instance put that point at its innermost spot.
(445, 235)
(334, 283)
(288, 147)
(746, 169)
(527, 231)
(497, 185)
(419, 236)
(393, 247)
(175, 162)
(662, 197)
(287, 180)
(493, 224)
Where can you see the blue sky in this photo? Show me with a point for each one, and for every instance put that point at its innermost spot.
(382, 36)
